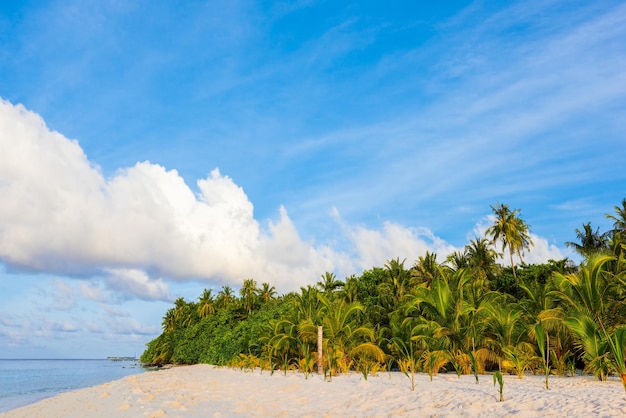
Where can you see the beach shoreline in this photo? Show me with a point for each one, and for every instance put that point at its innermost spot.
(209, 391)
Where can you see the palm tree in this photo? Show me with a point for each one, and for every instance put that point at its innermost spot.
(395, 284)
(283, 343)
(346, 339)
(182, 315)
(169, 320)
(426, 268)
(206, 304)
(266, 292)
(617, 346)
(350, 290)
(458, 260)
(618, 235)
(404, 346)
(586, 291)
(306, 305)
(481, 258)
(591, 340)
(504, 329)
(248, 294)
(510, 230)
(590, 242)
(619, 219)
(587, 299)
(329, 283)
(225, 296)
(442, 308)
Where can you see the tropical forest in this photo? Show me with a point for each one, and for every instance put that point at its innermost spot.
(465, 314)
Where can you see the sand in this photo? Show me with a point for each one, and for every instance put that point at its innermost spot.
(207, 391)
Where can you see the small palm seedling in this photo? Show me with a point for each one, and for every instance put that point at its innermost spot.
(472, 358)
(497, 377)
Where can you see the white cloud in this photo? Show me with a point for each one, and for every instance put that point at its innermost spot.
(138, 284)
(542, 251)
(63, 216)
(146, 218)
(376, 247)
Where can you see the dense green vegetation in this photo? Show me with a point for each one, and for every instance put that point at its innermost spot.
(466, 314)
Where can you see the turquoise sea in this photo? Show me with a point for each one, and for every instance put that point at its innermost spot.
(23, 382)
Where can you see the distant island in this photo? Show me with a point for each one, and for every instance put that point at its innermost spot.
(122, 358)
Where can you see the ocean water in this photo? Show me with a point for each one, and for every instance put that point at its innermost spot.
(23, 382)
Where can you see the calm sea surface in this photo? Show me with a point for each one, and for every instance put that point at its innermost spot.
(26, 381)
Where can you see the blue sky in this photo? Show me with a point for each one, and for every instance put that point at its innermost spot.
(151, 149)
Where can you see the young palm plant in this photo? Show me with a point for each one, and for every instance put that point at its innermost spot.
(617, 347)
(408, 357)
(497, 377)
(543, 343)
(346, 339)
(584, 296)
(595, 347)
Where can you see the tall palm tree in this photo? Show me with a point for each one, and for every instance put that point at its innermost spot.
(306, 305)
(458, 260)
(248, 294)
(182, 315)
(426, 268)
(511, 231)
(266, 292)
(225, 296)
(169, 320)
(206, 304)
(329, 283)
(350, 290)
(395, 284)
(481, 258)
(589, 241)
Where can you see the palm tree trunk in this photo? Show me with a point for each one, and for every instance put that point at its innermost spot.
(320, 354)
(512, 264)
(547, 357)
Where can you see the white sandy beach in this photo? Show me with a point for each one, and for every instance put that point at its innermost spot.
(206, 391)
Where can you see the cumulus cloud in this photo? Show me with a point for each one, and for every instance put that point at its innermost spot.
(376, 247)
(61, 215)
(138, 284)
